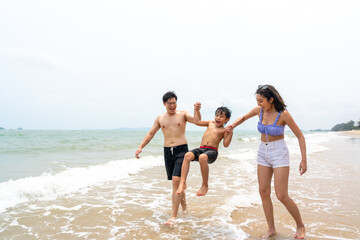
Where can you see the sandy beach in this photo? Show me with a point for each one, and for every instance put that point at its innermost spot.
(129, 198)
(87, 85)
(351, 133)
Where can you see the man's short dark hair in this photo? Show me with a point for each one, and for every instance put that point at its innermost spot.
(169, 95)
(223, 110)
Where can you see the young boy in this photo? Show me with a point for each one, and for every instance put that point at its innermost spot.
(207, 153)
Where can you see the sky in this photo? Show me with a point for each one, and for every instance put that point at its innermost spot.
(106, 64)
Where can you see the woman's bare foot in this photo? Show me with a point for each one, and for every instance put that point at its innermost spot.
(171, 222)
(269, 235)
(300, 233)
(202, 191)
(181, 188)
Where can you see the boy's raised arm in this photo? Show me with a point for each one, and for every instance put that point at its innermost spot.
(190, 118)
(197, 115)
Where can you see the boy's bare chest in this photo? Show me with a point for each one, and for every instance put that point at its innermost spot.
(213, 131)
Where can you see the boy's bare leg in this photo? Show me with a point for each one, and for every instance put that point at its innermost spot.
(183, 202)
(204, 166)
(176, 199)
(184, 171)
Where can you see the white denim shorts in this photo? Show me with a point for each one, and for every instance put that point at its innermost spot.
(273, 154)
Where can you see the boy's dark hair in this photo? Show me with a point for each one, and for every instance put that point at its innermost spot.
(268, 91)
(223, 110)
(169, 95)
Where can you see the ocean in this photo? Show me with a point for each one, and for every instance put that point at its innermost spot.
(88, 185)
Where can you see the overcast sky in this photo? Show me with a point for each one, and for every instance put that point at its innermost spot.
(106, 64)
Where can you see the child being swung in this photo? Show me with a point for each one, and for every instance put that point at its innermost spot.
(208, 151)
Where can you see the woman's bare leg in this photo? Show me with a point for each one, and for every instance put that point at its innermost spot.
(281, 179)
(264, 179)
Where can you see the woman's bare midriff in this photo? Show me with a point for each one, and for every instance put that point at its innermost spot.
(271, 138)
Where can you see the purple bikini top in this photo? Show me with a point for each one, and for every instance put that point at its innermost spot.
(273, 129)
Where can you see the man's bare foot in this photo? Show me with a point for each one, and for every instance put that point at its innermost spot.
(269, 235)
(300, 233)
(171, 222)
(202, 191)
(181, 188)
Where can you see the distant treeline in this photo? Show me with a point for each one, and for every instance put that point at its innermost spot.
(346, 126)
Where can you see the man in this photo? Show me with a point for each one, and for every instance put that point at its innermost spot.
(173, 125)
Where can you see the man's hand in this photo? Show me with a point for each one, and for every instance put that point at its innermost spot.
(138, 151)
(197, 106)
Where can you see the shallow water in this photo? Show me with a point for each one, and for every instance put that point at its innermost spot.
(87, 185)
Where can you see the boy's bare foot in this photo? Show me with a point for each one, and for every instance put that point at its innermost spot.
(202, 191)
(171, 222)
(183, 204)
(181, 188)
(269, 235)
(300, 233)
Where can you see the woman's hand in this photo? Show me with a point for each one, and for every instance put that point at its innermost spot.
(302, 167)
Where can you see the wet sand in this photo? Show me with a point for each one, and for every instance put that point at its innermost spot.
(329, 207)
(328, 196)
(136, 207)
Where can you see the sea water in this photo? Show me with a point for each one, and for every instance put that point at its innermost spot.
(88, 185)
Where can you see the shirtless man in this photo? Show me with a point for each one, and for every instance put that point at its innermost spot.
(173, 125)
(207, 153)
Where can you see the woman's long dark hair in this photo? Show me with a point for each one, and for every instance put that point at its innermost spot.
(268, 91)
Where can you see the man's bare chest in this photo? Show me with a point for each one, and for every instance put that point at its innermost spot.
(172, 123)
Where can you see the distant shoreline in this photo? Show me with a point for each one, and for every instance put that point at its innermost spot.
(350, 132)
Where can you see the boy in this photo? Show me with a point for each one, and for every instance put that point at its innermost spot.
(207, 153)
(173, 125)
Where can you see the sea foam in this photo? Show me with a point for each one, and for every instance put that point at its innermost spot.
(48, 186)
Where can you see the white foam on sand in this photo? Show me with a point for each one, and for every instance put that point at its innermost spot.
(48, 186)
(240, 163)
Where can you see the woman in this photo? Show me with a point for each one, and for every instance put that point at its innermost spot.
(273, 155)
